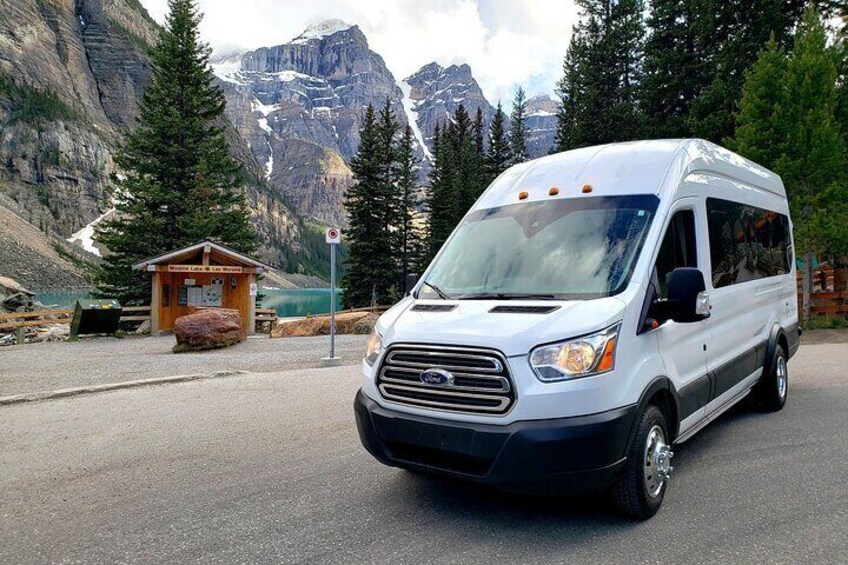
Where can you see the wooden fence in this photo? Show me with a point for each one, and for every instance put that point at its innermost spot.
(17, 322)
(824, 298)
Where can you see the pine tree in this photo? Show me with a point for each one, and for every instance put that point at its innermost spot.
(180, 185)
(370, 264)
(460, 137)
(814, 151)
(672, 69)
(441, 198)
(696, 55)
(518, 128)
(786, 120)
(728, 44)
(841, 50)
(411, 237)
(758, 133)
(601, 74)
(498, 157)
(479, 160)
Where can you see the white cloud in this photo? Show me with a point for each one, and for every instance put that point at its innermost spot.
(506, 42)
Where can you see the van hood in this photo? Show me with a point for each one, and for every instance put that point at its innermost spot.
(472, 323)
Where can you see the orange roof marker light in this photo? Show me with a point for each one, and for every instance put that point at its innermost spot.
(587, 188)
(553, 191)
(523, 195)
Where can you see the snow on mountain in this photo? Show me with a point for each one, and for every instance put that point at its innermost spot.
(412, 117)
(541, 125)
(321, 30)
(300, 105)
(437, 92)
(85, 236)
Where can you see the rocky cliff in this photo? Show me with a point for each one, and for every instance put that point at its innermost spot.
(72, 75)
(438, 91)
(299, 105)
(541, 125)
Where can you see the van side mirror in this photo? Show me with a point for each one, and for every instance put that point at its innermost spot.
(411, 281)
(687, 296)
(687, 300)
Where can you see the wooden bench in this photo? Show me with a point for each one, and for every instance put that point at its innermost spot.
(136, 314)
(266, 317)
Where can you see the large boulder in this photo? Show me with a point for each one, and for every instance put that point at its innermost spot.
(208, 329)
(348, 323)
(14, 297)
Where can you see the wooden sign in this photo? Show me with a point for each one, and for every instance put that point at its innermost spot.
(204, 269)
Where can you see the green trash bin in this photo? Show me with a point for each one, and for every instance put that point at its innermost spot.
(95, 317)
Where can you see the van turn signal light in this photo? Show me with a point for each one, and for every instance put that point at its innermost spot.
(587, 188)
(523, 195)
(553, 191)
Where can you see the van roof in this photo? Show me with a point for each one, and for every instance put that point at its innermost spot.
(633, 167)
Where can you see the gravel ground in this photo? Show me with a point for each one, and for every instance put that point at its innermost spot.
(41, 367)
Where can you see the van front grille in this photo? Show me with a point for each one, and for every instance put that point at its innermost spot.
(479, 384)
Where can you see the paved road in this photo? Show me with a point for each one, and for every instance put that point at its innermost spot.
(95, 361)
(268, 469)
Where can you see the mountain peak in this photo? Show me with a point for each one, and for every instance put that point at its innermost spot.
(321, 30)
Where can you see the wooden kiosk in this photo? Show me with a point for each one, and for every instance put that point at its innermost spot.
(205, 275)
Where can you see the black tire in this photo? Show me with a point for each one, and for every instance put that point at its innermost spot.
(768, 393)
(630, 493)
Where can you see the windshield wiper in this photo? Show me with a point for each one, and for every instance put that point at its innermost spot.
(443, 295)
(507, 296)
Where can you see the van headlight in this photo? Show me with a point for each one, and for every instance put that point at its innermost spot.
(580, 357)
(374, 347)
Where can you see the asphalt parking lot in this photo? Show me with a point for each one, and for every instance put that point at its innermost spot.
(267, 468)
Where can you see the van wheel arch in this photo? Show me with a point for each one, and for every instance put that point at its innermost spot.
(777, 338)
(663, 395)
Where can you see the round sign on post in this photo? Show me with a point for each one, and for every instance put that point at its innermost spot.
(334, 235)
(334, 238)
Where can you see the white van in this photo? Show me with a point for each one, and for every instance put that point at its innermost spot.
(592, 309)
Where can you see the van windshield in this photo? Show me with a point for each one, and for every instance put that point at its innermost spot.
(578, 248)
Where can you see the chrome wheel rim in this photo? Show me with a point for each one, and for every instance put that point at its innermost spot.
(657, 462)
(782, 377)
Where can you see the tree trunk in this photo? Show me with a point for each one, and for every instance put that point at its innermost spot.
(806, 286)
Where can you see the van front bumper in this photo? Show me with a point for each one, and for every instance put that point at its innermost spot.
(562, 456)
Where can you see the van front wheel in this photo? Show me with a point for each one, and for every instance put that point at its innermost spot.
(639, 491)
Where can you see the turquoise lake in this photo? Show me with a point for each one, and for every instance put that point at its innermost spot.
(287, 303)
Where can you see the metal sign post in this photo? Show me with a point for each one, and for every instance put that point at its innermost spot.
(334, 238)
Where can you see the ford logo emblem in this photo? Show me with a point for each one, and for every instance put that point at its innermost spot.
(437, 377)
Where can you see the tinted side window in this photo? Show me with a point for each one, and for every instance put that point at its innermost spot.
(678, 248)
(746, 243)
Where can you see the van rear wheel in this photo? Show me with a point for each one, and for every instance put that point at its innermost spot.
(772, 390)
(639, 491)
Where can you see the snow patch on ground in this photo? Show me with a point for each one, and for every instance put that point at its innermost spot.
(412, 117)
(321, 30)
(85, 236)
(542, 113)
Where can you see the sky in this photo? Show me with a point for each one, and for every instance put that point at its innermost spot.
(507, 42)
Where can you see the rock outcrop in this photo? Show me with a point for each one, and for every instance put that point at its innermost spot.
(438, 91)
(72, 75)
(299, 106)
(348, 323)
(208, 329)
(541, 125)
